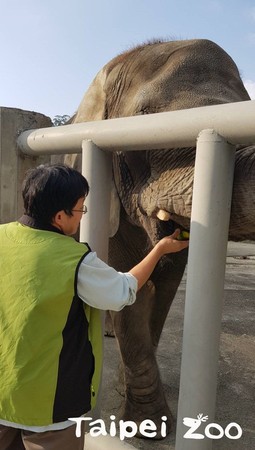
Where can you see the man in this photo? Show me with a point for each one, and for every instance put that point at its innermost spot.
(52, 290)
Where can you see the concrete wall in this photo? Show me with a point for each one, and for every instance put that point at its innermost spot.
(13, 163)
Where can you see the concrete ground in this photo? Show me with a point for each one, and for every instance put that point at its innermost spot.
(236, 382)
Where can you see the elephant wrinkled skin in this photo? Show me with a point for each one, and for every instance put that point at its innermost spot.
(161, 76)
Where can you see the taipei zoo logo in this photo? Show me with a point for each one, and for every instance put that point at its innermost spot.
(212, 430)
(148, 428)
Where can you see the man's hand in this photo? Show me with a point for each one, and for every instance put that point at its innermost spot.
(171, 244)
(168, 244)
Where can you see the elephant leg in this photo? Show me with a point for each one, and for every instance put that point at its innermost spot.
(144, 395)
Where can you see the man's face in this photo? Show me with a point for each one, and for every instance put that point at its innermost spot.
(70, 224)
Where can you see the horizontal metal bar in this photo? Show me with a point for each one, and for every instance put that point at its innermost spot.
(234, 121)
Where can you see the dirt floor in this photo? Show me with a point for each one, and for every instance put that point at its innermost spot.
(236, 382)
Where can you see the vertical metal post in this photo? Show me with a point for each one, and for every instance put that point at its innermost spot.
(94, 228)
(97, 169)
(212, 192)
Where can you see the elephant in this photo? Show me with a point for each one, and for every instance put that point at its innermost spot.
(154, 191)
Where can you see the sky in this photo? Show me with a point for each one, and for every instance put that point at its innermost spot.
(52, 49)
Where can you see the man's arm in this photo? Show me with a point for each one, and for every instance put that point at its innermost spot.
(168, 244)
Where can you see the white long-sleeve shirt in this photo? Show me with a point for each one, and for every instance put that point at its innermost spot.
(102, 287)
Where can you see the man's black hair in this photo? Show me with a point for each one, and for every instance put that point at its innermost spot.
(50, 188)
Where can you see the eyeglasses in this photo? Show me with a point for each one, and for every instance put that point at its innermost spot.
(83, 210)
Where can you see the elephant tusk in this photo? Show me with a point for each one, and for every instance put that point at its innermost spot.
(163, 215)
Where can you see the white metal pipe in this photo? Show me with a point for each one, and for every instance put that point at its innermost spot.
(106, 443)
(94, 228)
(97, 169)
(213, 181)
(234, 121)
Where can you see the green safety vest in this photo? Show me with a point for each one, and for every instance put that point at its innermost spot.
(47, 332)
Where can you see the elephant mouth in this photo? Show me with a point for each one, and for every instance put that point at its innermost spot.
(165, 224)
(168, 222)
(166, 228)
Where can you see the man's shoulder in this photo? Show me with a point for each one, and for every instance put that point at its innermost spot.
(70, 244)
(5, 226)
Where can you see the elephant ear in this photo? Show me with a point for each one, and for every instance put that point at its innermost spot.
(93, 104)
(93, 107)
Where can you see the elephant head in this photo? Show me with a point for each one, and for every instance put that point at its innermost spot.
(166, 76)
(154, 189)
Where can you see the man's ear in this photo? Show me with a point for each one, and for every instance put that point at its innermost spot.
(57, 220)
